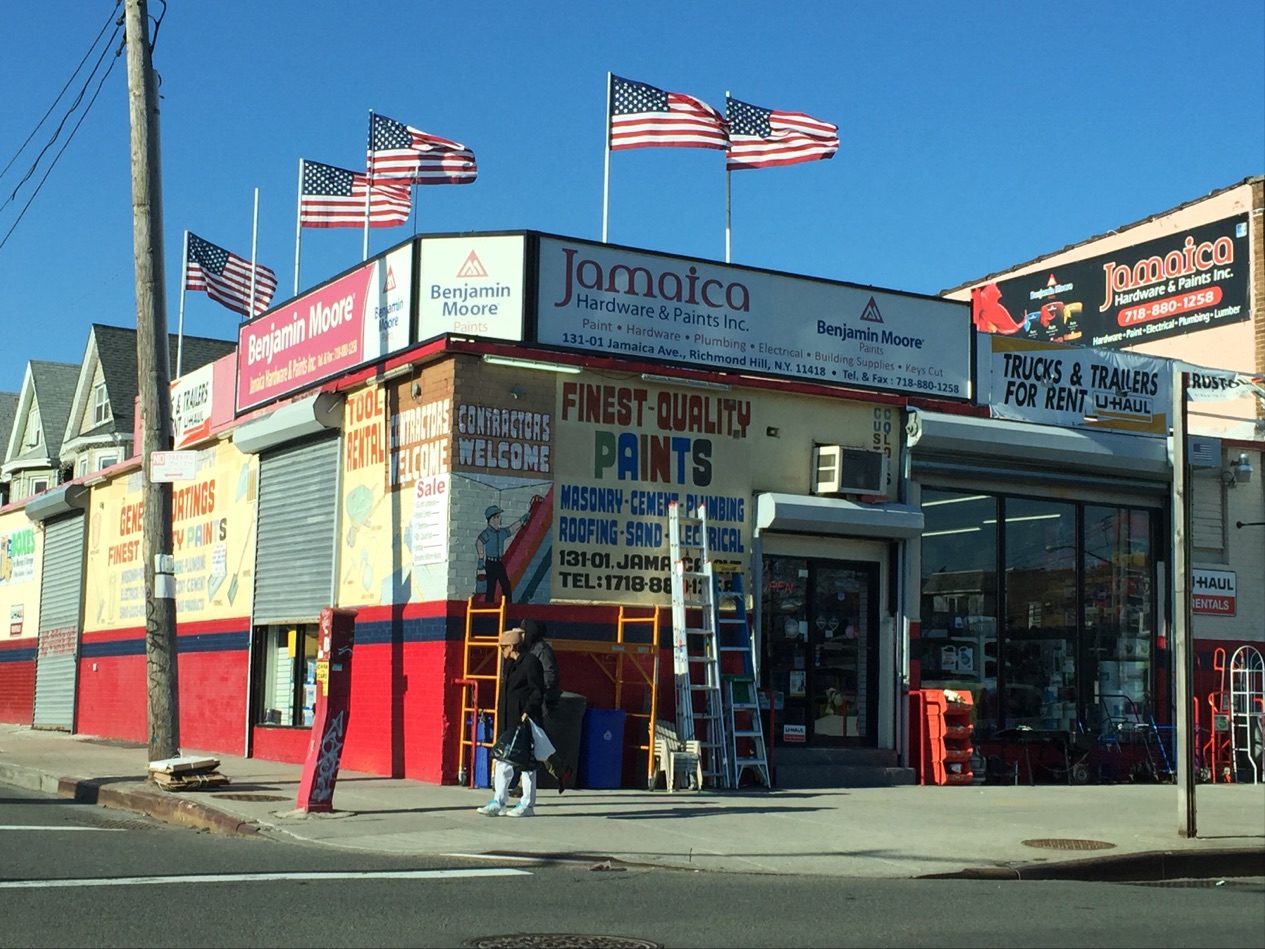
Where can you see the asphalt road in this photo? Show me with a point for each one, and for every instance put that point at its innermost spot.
(76, 874)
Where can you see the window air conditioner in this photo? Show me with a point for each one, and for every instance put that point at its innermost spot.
(839, 470)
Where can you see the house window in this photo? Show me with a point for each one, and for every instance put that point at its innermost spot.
(105, 459)
(285, 675)
(100, 404)
(38, 486)
(81, 468)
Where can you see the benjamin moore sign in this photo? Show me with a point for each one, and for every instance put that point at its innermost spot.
(1193, 279)
(606, 299)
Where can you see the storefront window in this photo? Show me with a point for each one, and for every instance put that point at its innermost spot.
(1039, 655)
(285, 675)
(959, 596)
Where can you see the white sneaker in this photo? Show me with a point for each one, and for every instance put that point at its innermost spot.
(492, 809)
(520, 810)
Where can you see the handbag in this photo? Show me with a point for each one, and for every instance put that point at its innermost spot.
(515, 748)
(540, 742)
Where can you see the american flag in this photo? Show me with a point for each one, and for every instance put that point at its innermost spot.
(645, 117)
(398, 152)
(762, 138)
(226, 277)
(335, 197)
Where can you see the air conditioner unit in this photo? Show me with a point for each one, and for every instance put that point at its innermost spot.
(839, 470)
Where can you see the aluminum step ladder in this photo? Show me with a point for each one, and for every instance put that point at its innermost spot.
(700, 715)
(746, 750)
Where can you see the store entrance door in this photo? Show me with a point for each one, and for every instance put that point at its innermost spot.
(820, 641)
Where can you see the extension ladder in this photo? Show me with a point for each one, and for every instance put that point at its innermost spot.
(700, 713)
(746, 748)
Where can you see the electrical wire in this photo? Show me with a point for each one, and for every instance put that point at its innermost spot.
(38, 124)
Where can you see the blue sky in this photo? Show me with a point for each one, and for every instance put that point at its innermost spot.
(974, 135)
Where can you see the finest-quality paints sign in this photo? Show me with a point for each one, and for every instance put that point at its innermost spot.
(597, 298)
(471, 286)
(1190, 280)
(1075, 387)
(355, 319)
(1212, 592)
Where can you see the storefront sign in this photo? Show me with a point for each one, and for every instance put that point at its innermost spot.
(1212, 592)
(471, 286)
(353, 320)
(598, 298)
(794, 734)
(191, 401)
(1193, 279)
(1076, 387)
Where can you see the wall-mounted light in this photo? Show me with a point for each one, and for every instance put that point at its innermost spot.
(416, 390)
(773, 431)
(1238, 473)
(529, 364)
(694, 383)
(517, 391)
(398, 371)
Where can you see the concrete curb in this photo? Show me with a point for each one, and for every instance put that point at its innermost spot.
(1148, 866)
(158, 804)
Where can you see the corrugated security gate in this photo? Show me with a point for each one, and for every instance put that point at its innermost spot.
(61, 588)
(298, 512)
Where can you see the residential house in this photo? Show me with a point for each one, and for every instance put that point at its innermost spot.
(8, 409)
(99, 427)
(33, 452)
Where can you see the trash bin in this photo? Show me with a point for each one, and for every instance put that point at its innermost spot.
(602, 748)
(564, 732)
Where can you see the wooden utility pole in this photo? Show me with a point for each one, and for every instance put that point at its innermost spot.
(153, 382)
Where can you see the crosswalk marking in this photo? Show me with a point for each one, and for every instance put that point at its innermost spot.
(307, 876)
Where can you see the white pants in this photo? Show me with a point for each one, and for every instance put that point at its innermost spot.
(501, 784)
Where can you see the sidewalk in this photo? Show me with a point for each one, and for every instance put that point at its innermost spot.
(899, 832)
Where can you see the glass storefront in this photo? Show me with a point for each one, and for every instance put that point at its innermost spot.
(820, 622)
(1074, 587)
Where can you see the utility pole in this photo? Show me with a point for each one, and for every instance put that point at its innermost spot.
(154, 386)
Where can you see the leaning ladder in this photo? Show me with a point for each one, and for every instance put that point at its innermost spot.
(746, 750)
(700, 712)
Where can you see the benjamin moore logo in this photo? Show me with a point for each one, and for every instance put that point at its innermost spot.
(473, 267)
(390, 280)
(871, 314)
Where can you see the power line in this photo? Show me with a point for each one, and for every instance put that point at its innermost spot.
(53, 164)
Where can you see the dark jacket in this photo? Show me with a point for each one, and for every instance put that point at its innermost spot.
(522, 690)
(538, 646)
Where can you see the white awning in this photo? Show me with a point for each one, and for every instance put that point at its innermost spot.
(809, 514)
(314, 415)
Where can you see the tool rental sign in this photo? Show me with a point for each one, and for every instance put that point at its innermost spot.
(605, 299)
(1193, 279)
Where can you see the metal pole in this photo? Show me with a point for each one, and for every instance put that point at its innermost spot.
(1183, 664)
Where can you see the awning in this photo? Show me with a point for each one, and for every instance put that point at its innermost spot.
(72, 497)
(809, 514)
(314, 415)
(935, 435)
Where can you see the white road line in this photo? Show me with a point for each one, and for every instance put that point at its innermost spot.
(262, 877)
(46, 827)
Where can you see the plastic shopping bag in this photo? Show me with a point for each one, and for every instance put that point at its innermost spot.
(540, 742)
(515, 748)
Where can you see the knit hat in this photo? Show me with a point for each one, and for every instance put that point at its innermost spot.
(533, 631)
(512, 637)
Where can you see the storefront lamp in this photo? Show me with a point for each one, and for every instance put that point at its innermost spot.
(1240, 473)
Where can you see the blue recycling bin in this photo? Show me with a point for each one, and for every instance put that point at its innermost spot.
(482, 767)
(602, 748)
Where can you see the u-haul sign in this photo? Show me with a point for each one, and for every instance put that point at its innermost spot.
(1212, 592)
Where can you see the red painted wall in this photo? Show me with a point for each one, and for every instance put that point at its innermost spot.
(17, 688)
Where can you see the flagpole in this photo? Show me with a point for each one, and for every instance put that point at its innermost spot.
(298, 229)
(254, 235)
(727, 212)
(184, 280)
(368, 186)
(606, 177)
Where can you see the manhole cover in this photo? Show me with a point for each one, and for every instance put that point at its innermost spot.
(252, 797)
(1064, 843)
(559, 941)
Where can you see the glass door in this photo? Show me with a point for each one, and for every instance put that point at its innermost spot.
(820, 625)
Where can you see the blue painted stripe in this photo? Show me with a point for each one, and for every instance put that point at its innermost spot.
(20, 654)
